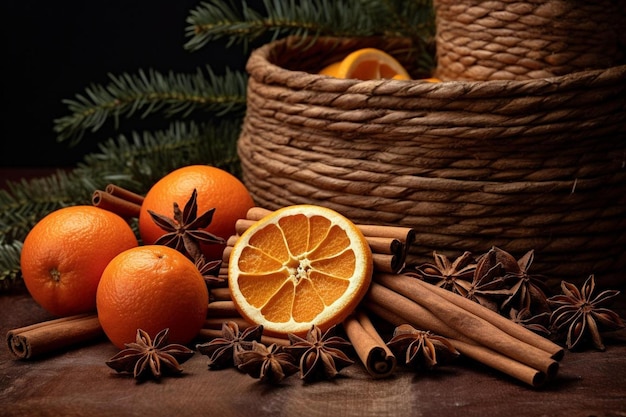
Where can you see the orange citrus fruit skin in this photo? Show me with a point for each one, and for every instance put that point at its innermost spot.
(151, 287)
(367, 64)
(300, 265)
(216, 189)
(65, 253)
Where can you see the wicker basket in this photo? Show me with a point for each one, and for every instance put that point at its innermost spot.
(518, 40)
(534, 164)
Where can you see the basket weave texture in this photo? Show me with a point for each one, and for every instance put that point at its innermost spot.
(518, 40)
(534, 164)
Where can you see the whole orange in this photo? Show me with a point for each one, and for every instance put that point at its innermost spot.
(151, 287)
(64, 254)
(216, 189)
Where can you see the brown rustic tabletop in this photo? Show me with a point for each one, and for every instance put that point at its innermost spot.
(77, 382)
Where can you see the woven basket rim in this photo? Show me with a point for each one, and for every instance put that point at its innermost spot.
(261, 67)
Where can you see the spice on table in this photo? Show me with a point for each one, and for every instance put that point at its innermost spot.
(538, 323)
(270, 364)
(421, 349)
(581, 314)
(118, 200)
(185, 230)
(223, 351)
(145, 357)
(527, 290)
(446, 274)
(487, 285)
(378, 359)
(320, 355)
(474, 330)
(53, 335)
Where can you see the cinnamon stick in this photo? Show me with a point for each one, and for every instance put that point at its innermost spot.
(377, 358)
(510, 327)
(48, 336)
(123, 208)
(124, 194)
(470, 325)
(476, 352)
(220, 294)
(222, 308)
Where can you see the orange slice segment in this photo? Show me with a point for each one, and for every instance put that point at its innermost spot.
(367, 64)
(298, 266)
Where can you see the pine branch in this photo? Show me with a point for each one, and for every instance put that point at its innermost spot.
(27, 201)
(145, 94)
(216, 20)
(10, 271)
(139, 161)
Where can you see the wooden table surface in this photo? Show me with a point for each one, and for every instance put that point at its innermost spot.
(77, 382)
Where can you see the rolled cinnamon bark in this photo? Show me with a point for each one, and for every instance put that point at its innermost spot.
(49, 336)
(470, 325)
(510, 327)
(124, 194)
(222, 308)
(486, 356)
(377, 358)
(123, 208)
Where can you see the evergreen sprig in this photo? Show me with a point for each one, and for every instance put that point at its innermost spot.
(204, 110)
(144, 94)
(10, 274)
(216, 20)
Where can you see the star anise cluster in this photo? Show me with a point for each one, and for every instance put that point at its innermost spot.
(317, 356)
(185, 232)
(223, 352)
(504, 284)
(421, 349)
(495, 280)
(150, 358)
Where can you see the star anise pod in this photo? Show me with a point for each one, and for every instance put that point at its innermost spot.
(269, 364)
(209, 270)
(538, 323)
(146, 358)
(320, 355)
(222, 351)
(580, 314)
(446, 274)
(185, 230)
(487, 285)
(421, 349)
(526, 291)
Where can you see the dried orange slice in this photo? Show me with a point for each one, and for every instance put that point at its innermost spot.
(367, 64)
(298, 266)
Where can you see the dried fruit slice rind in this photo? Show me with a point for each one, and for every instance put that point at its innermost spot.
(298, 266)
(367, 64)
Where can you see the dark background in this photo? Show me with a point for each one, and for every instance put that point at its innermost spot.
(53, 50)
